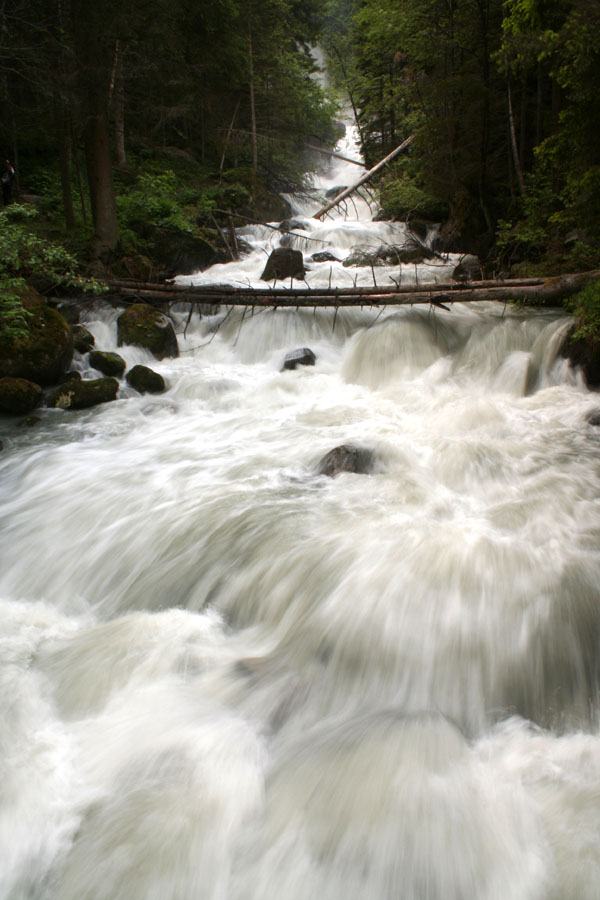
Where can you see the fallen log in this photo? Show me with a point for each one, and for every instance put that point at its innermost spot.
(366, 177)
(528, 290)
(355, 162)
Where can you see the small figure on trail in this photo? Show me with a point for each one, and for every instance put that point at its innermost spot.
(7, 177)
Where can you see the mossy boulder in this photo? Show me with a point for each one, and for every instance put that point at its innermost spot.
(18, 395)
(147, 327)
(83, 394)
(145, 380)
(583, 352)
(107, 363)
(47, 350)
(83, 340)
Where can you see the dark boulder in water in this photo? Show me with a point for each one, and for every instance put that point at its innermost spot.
(347, 458)
(145, 326)
(83, 340)
(593, 417)
(468, 269)
(18, 395)
(107, 363)
(284, 263)
(324, 256)
(301, 357)
(145, 380)
(83, 394)
(44, 352)
(583, 352)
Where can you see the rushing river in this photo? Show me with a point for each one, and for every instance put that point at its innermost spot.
(226, 677)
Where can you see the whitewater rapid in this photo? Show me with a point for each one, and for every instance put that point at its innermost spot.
(224, 676)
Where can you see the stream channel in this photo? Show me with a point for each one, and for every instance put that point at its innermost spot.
(224, 676)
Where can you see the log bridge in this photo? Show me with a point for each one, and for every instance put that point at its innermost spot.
(537, 291)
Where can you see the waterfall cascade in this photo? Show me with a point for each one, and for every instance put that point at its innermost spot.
(224, 676)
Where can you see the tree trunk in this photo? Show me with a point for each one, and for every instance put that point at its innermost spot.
(63, 131)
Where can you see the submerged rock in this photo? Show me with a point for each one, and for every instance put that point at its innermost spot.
(284, 263)
(347, 458)
(145, 380)
(18, 395)
(107, 363)
(593, 417)
(147, 327)
(83, 394)
(83, 340)
(44, 353)
(585, 353)
(362, 256)
(301, 357)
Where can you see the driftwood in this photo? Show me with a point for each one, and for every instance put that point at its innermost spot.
(526, 290)
(366, 177)
(355, 162)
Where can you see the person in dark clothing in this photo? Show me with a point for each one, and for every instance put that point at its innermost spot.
(7, 177)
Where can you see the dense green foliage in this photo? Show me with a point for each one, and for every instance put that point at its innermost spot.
(501, 97)
(90, 95)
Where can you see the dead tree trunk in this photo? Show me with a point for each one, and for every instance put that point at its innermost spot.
(366, 177)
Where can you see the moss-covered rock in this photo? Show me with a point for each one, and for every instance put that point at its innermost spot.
(83, 340)
(583, 352)
(83, 394)
(47, 350)
(147, 327)
(18, 396)
(107, 363)
(145, 380)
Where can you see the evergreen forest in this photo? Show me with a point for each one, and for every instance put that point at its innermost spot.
(137, 130)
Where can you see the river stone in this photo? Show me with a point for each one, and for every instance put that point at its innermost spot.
(324, 256)
(302, 357)
(107, 363)
(145, 326)
(283, 263)
(585, 353)
(18, 395)
(346, 458)
(83, 394)
(468, 269)
(45, 353)
(333, 192)
(145, 380)
(593, 417)
(83, 340)
(362, 256)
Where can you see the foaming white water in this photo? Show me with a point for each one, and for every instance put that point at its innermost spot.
(225, 676)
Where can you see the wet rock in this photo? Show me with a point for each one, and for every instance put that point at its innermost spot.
(29, 422)
(145, 380)
(301, 357)
(284, 263)
(83, 394)
(593, 417)
(45, 353)
(332, 193)
(362, 256)
(107, 363)
(346, 458)
(324, 256)
(468, 269)
(69, 376)
(294, 225)
(69, 310)
(411, 252)
(18, 395)
(145, 326)
(83, 340)
(583, 352)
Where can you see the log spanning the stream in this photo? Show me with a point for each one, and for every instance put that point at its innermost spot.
(526, 290)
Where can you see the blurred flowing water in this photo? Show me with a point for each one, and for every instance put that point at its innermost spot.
(223, 676)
